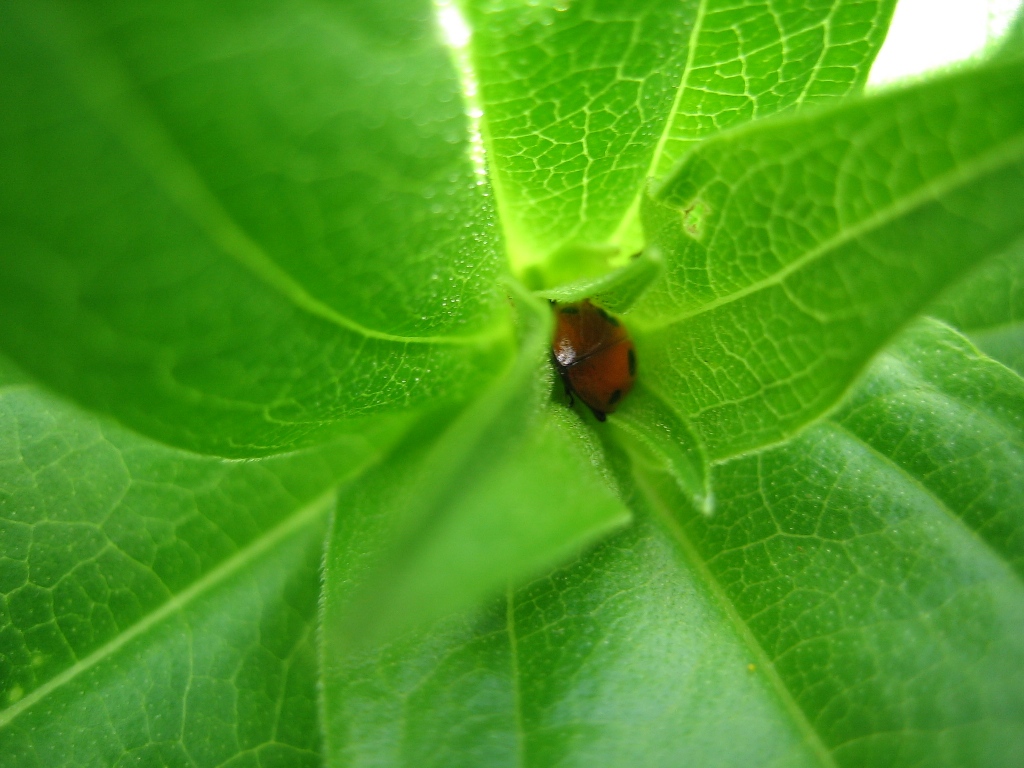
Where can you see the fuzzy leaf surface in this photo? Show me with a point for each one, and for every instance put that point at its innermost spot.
(795, 248)
(235, 227)
(989, 307)
(155, 604)
(854, 600)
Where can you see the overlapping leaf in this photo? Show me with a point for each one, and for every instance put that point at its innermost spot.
(989, 307)
(584, 100)
(458, 512)
(152, 601)
(235, 227)
(795, 248)
(853, 601)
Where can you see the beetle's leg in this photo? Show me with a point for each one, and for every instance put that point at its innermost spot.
(599, 415)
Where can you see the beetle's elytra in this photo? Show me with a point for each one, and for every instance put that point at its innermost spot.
(593, 355)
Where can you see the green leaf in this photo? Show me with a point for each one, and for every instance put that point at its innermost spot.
(954, 420)
(989, 307)
(196, 198)
(453, 516)
(894, 628)
(506, 489)
(617, 290)
(156, 604)
(572, 670)
(582, 101)
(228, 679)
(656, 436)
(795, 248)
(851, 602)
(266, 231)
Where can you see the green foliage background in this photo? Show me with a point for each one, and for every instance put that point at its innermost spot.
(285, 476)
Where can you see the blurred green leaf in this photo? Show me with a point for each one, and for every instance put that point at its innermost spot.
(455, 515)
(583, 101)
(156, 604)
(1012, 45)
(234, 226)
(855, 600)
(459, 510)
(989, 307)
(617, 290)
(623, 658)
(795, 248)
(266, 231)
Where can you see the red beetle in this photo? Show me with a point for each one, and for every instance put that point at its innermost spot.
(594, 356)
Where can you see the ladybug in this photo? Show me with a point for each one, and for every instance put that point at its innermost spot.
(594, 356)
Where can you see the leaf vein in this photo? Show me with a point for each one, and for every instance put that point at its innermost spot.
(743, 631)
(932, 191)
(938, 502)
(176, 604)
(107, 90)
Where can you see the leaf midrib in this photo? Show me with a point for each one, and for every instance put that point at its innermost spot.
(106, 90)
(176, 603)
(634, 206)
(1001, 156)
(764, 663)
